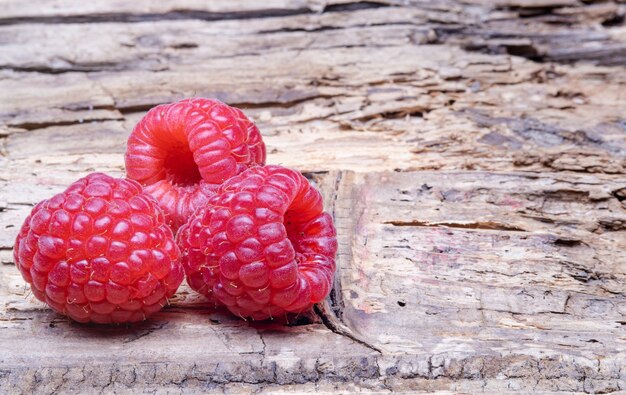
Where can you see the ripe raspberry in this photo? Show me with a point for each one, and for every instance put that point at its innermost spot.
(263, 245)
(179, 152)
(100, 252)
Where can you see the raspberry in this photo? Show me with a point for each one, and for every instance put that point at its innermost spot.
(263, 246)
(100, 252)
(180, 152)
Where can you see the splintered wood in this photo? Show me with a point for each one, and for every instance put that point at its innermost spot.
(476, 174)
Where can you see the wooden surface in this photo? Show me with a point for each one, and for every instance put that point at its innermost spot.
(473, 154)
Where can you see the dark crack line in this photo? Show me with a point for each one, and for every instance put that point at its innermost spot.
(30, 126)
(128, 17)
(328, 323)
(472, 225)
(128, 109)
(182, 14)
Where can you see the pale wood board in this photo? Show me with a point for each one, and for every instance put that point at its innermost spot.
(472, 153)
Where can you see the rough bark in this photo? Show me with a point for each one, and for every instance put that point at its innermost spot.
(473, 154)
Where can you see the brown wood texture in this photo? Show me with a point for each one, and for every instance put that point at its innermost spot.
(472, 153)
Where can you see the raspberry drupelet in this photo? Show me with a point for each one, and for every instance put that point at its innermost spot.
(263, 246)
(100, 251)
(181, 152)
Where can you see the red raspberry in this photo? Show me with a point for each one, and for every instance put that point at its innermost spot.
(263, 245)
(181, 151)
(100, 252)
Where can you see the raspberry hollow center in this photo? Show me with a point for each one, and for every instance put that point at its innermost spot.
(180, 167)
(295, 233)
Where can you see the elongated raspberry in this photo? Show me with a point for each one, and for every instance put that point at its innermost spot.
(263, 246)
(100, 251)
(180, 152)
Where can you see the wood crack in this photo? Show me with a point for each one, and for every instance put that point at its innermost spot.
(31, 126)
(188, 14)
(336, 326)
(462, 225)
(285, 103)
(182, 14)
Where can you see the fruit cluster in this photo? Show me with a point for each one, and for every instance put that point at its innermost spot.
(198, 201)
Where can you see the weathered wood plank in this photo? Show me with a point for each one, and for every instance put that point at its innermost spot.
(530, 252)
(485, 276)
(430, 107)
(561, 31)
(479, 189)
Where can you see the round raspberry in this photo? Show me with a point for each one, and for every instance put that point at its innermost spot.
(263, 246)
(100, 252)
(180, 152)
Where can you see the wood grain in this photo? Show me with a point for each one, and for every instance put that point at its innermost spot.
(472, 153)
